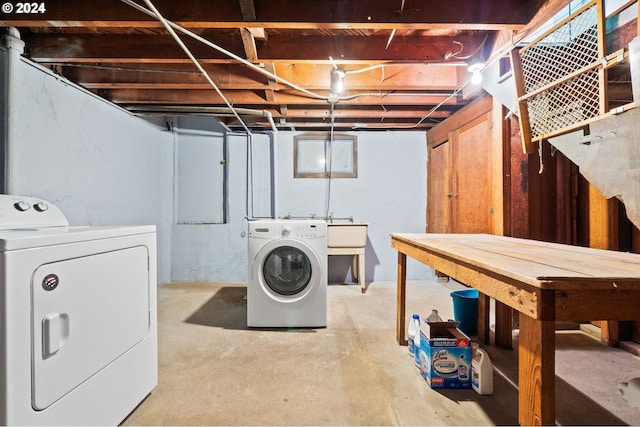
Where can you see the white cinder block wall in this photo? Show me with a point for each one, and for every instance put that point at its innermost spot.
(103, 166)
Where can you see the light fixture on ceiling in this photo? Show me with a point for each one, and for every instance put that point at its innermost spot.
(474, 68)
(337, 83)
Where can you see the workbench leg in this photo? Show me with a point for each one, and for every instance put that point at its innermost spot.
(610, 332)
(401, 304)
(536, 372)
(504, 325)
(484, 306)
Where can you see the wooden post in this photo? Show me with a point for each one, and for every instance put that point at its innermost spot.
(504, 325)
(483, 318)
(603, 234)
(523, 110)
(536, 372)
(400, 305)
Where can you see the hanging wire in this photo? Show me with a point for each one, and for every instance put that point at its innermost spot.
(328, 155)
(393, 33)
(286, 82)
(224, 51)
(454, 54)
(195, 61)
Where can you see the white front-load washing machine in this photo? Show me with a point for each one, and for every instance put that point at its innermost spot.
(78, 334)
(287, 284)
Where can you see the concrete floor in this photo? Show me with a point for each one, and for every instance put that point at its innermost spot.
(215, 371)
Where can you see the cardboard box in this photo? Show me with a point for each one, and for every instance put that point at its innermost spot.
(445, 355)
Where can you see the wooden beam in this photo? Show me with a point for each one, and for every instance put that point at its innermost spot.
(523, 109)
(312, 47)
(452, 14)
(418, 77)
(269, 94)
(248, 10)
(128, 96)
(249, 43)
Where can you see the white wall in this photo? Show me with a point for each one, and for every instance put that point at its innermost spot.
(99, 164)
(389, 194)
(103, 166)
(218, 252)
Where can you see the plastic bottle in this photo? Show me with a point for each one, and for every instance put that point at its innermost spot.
(434, 317)
(481, 371)
(463, 368)
(414, 328)
(416, 349)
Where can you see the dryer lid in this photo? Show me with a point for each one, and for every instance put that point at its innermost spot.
(49, 236)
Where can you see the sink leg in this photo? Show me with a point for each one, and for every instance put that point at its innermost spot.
(354, 268)
(361, 271)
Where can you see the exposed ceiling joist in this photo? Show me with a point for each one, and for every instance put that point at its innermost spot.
(126, 56)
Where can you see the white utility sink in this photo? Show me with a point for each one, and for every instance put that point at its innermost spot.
(346, 235)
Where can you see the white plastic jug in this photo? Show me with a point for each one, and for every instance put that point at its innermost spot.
(414, 329)
(434, 317)
(481, 371)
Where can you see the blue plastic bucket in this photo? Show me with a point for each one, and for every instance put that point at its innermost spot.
(465, 310)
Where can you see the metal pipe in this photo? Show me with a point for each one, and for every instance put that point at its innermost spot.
(13, 47)
(217, 111)
(186, 50)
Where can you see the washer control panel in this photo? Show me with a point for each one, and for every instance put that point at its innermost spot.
(295, 229)
(29, 212)
(306, 231)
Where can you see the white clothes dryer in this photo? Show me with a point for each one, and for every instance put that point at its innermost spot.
(287, 285)
(78, 334)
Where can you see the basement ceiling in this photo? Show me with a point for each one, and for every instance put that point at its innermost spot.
(404, 61)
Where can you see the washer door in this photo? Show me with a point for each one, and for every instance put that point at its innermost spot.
(287, 269)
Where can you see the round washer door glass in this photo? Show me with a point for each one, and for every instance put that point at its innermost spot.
(287, 270)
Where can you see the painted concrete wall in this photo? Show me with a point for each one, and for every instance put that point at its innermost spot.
(103, 166)
(99, 164)
(389, 194)
(218, 252)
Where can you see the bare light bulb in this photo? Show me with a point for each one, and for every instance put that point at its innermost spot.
(337, 80)
(475, 68)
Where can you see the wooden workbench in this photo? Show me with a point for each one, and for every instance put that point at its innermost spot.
(545, 282)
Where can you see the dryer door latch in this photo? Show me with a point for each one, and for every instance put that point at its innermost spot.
(55, 332)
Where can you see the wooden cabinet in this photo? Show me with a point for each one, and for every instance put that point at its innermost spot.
(465, 185)
(464, 172)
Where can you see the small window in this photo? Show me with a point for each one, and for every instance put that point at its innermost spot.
(318, 155)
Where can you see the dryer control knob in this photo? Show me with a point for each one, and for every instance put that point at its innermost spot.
(286, 230)
(41, 206)
(21, 206)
